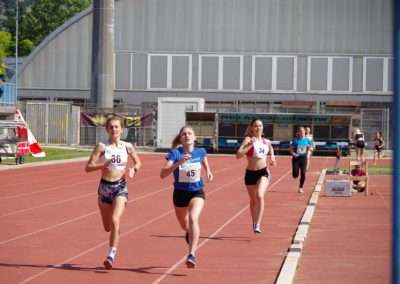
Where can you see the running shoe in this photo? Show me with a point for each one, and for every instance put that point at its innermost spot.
(190, 261)
(108, 263)
(256, 229)
(301, 190)
(187, 237)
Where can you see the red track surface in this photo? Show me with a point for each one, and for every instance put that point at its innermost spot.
(51, 229)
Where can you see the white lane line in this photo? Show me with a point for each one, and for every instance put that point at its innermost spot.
(91, 213)
(46, 190)
(381, 194)
(122, 235)
(70, 185)
(131, 183)
(47, 228)
(290, 264)
(47, 204)
(60, 264)
(179, 262)
(74, 219)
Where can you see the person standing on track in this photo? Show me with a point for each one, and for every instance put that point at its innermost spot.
(311, 137)
(111, 157)
(379, 144)
(257, 176)
(186, 163)
(298, 149)
(360, 144)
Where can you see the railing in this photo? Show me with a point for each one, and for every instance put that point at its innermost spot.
(9, 98)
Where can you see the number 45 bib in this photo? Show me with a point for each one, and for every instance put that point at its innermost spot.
(190, 172)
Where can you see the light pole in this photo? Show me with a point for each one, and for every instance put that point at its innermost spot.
(16, 49)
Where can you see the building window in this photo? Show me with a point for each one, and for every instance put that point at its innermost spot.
(274, 73)
(377, 75)
(220, 72)
(169, 71)
(329, 73)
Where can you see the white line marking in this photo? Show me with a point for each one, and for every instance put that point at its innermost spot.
(179, 262)
(46, 190)
(47, 204)
(124, 234)
(58, 265)
(72, 220)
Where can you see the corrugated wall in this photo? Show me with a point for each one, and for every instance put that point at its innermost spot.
(266, 26)
(215, 26)
(63, 63)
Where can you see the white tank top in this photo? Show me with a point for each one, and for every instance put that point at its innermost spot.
(259, 150)
(118, 155)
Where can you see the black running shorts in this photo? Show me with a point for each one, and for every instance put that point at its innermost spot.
(181, 198)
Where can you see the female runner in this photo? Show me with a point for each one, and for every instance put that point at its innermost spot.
(301, 145)
(257, 176)
(188, 197)
(111, 157)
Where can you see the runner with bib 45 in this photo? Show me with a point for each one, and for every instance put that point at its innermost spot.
(188, 197)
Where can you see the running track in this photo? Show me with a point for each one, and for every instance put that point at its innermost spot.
(51, 228)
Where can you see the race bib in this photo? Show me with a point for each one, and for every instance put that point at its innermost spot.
(190, 172)
(301, 149)
(260, 150)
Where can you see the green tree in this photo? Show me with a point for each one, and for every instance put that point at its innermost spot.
(6, 45)
(47, 15)
(38, 20)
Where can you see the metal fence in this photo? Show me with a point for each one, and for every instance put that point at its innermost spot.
(50, 122)
(138, 136)
(375, 120)
(59, 122)
(9, 97)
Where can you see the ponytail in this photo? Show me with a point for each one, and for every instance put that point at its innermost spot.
(177, 140)
(175, 143)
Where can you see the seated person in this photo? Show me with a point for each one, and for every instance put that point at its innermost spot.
(358, 185)
(1, 86)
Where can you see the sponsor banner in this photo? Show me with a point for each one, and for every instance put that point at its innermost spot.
(298, 119)
(90, 119)
(338, 188)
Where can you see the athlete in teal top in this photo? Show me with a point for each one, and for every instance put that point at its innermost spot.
(298, 149)
(301, 146)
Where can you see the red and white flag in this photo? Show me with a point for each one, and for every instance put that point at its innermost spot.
(34, 147)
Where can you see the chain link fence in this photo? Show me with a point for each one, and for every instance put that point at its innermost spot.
(59, 122)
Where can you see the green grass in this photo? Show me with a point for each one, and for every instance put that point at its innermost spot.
(374, 169)
(53, 153)
(380, 169)
(58, 154)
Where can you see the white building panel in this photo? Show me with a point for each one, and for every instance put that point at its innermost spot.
(171, 117)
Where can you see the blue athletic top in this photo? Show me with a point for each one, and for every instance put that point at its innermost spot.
(300, 145)
(188, 175)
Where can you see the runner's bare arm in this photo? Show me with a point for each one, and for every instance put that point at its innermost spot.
(246, 145)
(93, 162)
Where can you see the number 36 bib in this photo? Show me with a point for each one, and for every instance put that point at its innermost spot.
(190, 172)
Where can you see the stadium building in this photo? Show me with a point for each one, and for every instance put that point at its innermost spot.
(307, 57)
